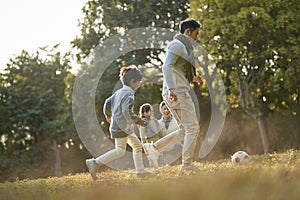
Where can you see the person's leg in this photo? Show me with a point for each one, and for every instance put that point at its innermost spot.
(154, 150)
(137, 149)
(185, 114)
(172, 138)
(173, 156)
(117, 152)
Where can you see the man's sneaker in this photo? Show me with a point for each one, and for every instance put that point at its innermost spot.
(92, 166)
(189, 167)
(144, 174)
(152, 153)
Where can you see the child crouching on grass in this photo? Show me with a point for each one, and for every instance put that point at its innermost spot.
(118, 110)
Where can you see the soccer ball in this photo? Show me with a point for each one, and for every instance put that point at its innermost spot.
(240, 157)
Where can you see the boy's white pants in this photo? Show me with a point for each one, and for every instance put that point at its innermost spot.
(120, 150)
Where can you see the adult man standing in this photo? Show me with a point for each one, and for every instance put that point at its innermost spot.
(178, 72)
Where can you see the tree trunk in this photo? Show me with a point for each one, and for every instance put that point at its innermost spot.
(263, 135)
(249, 106)
(57, 159)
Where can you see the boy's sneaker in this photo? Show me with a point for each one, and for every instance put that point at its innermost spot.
(92, 166)
(189, 167)
(152, 153)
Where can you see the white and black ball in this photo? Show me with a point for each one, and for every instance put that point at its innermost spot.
(240, 157)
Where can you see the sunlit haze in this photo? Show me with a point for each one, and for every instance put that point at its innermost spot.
(27, 25)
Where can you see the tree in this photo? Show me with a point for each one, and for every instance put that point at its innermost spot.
(38, 115)
(256, 43)
(104, 19)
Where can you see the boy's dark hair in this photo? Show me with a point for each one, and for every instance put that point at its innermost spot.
(189, 24)
(144, 108)
(128, 73)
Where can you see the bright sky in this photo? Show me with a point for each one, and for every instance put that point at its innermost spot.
(29, 24)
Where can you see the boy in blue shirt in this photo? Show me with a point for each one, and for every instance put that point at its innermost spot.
(118, 110)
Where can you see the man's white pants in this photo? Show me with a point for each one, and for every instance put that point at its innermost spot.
(185, 115)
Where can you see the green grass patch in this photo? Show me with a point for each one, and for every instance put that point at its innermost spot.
(269, 176)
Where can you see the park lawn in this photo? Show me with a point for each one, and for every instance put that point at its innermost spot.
(268, 176)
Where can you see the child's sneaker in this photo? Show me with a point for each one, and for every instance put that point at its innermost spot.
(152, 153)
(92, 166)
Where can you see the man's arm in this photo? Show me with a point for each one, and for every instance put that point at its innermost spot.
(175, 50)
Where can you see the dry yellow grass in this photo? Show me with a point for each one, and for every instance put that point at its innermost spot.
(270, 176)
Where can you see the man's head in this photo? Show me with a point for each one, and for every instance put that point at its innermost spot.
(190, 28)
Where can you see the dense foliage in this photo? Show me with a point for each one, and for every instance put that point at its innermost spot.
(36, 113)
(255, 44)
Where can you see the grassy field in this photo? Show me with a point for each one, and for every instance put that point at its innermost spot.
(271, 176)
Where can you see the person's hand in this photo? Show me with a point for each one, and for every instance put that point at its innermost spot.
(197, 79)
(143, 123)
(172, 95)
(108, 119)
